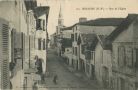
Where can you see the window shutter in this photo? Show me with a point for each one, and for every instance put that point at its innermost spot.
(136, 63)
(39, 44)
(4, 55)
(129, 57)
(44, 25)
(44, 45)
(88, 55)
(41, 26)
(121, 56)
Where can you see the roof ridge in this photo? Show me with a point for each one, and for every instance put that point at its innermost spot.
(123, 25)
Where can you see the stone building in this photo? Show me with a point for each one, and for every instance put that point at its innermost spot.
(103, 62)
(20, 17)
(102, 26)
(59, 32)
(15, 13)
(123, 43)
(67, 44)
(41, 34)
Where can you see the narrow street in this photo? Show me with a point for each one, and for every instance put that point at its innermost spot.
(66, 79)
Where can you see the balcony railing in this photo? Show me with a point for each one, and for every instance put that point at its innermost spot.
(131, 72)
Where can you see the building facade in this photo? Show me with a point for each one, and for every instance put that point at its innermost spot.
(41, 35)
(124, 54)
(66, 43)
(97, 27)
(20, 18)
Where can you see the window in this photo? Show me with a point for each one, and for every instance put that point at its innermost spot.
(41, 21)
(93, 55)
(44, 25)
(75, 36)
(73, 50)
(101, 55)
(44, 45)
(39, 44)
(136, 63)
(38, 24)
(76, 51)
(88, 55)
(121, 56)
(73, 29)
(129, 57)
(82, 49)
(15, 3)
(72, 37)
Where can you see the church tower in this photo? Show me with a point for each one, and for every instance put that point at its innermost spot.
(60, 18)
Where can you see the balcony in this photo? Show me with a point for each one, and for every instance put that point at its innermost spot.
(127, 71)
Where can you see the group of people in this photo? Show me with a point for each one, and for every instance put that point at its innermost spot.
(38, 65)
(55, 78)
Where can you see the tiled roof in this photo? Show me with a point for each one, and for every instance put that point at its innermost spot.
(30, 4)
(123, 26)
(102, 40)
(41, 10)
(103, 22)
(67, 28)
(89, 40)
(66, 42)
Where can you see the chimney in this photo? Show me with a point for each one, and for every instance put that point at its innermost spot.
(82, 19)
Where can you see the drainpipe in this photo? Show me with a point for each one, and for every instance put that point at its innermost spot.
(29, 54)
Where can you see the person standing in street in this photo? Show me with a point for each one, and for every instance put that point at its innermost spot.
(55, 79)
(35, 87)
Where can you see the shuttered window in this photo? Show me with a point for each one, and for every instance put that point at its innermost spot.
(39, 44)
(43, 25)
(92, 55)
(121, 56)
(83, 49)
(88, 55)
(41, 21)
(4, 55)
(44, 45)
(5, 35)
(136, 63)
(75, 36)
(129, 57)
(72, 37)
(76, 51)
(39, 24)
(101, 55)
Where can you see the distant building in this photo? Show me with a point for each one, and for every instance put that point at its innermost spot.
(66, 43)
(87, 44)
(102, 26)
(53, 40)
(59, 32)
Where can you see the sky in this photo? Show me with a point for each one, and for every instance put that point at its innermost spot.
(72, 10)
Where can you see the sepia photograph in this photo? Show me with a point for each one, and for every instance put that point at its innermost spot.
(68, 44)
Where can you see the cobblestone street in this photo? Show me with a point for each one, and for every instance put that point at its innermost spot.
(66, 79)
